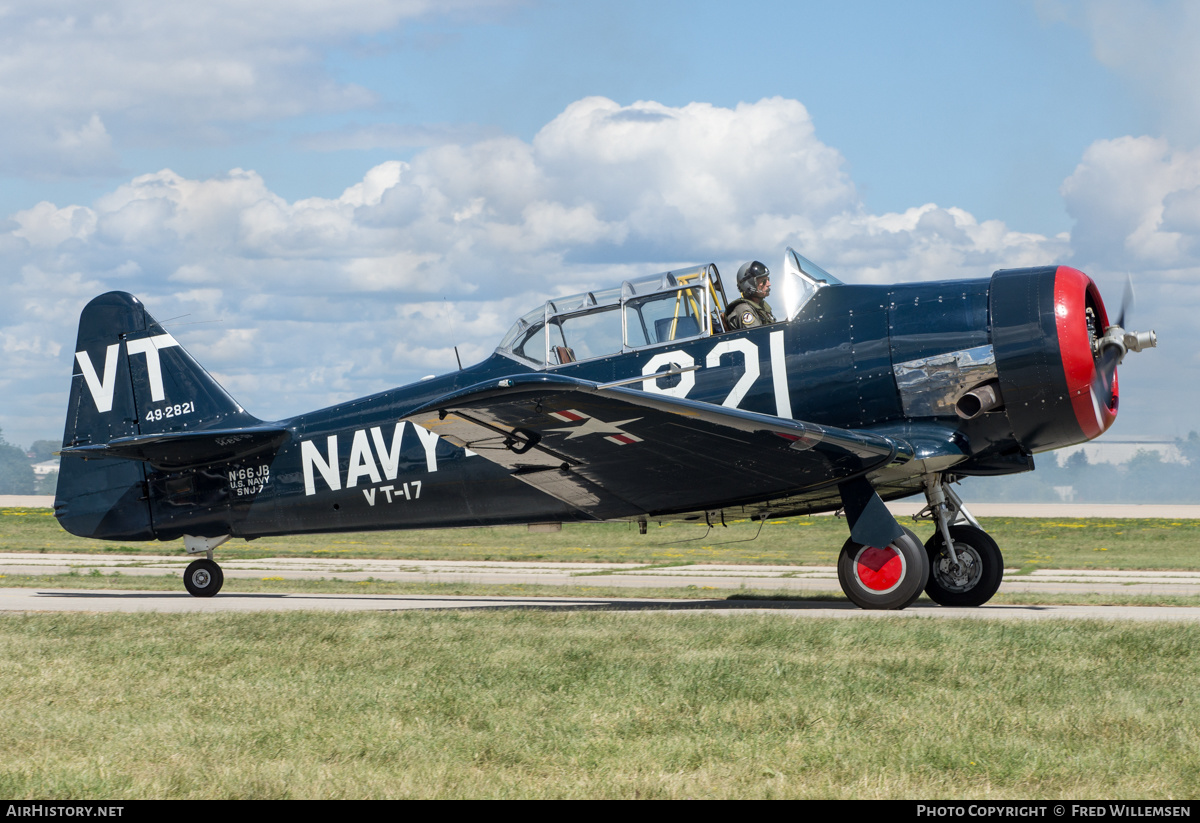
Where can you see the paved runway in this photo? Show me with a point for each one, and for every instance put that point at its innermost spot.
(65, 600)
(713, 583)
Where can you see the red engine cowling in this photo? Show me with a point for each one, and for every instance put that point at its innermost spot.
(1081, 318)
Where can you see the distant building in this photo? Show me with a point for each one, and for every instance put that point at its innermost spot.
(45, 467)
(1066, 494)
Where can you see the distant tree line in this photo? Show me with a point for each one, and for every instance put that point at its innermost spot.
(16, 468)
(1145, 478)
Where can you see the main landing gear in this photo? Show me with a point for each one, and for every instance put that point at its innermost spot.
(960, 565)
(965, 564)
(891, 577)
(203, 577)
(971, 574)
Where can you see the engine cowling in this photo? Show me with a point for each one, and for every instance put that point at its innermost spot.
(1045, 324)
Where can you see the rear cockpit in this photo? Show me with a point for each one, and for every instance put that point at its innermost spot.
(671, 307)
(650, 311)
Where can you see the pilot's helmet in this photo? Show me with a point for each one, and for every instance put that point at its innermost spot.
(749, 275)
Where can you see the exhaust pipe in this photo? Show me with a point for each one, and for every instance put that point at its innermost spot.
(979, 400)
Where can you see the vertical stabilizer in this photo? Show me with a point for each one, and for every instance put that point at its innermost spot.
(130, 378)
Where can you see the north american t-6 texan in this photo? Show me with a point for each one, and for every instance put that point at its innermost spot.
(650, 400)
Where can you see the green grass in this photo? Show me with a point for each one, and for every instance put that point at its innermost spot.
(600, 704)
(1027, 543)
(594, 704)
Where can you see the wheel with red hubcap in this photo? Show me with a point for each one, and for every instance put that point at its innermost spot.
(890, 577)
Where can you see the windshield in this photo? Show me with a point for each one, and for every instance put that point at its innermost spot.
(801, 279)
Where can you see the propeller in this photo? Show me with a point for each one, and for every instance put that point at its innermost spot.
(1110, 349)
(1127, 301)
(1106, 372)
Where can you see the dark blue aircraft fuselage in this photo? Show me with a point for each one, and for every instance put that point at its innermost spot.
(360, 466)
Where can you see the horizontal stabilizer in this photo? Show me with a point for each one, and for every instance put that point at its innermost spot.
(172, 451)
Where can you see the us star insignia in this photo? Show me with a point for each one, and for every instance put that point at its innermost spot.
(590, 425)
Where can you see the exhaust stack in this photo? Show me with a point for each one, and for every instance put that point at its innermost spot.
(979, 400)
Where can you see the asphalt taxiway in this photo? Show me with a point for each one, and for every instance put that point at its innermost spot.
(713, 584)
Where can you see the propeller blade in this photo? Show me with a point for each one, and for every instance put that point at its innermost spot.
(1127, 302)
(1106, 373)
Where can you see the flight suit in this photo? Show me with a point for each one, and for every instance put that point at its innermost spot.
(747, 312)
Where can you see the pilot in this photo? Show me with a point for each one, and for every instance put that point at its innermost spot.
(751, 309)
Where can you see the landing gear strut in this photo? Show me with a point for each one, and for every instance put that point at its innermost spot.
(966, 565)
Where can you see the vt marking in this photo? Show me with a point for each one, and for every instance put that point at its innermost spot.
(102, 390)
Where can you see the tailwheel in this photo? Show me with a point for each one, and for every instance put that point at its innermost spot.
(203, 578)
(891, 577)
(974, 578)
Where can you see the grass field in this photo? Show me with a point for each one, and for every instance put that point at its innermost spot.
(536, 704)
(594, 704)
(1027, 544)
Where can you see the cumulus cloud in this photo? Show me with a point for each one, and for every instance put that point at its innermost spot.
(1136, 206)
(699, 171)
(297, 304)
(1136, 203)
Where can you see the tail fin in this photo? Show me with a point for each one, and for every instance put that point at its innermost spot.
(131, 379)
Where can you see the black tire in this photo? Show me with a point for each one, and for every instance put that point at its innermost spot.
(888, 578)
(981, 568)
(203, 578)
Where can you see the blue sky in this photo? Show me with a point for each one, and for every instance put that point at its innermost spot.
(972, 104)
(335, 194)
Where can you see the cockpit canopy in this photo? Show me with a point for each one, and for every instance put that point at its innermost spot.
(651, 311)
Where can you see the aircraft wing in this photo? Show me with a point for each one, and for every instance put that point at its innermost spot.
(617, 452)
